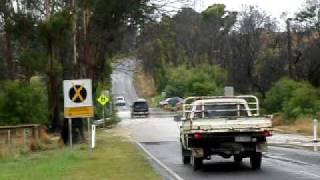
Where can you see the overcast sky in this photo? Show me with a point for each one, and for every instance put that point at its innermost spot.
(273, 7)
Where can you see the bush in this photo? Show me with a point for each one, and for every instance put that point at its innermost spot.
(196, 81)
(279, 95)
(293, 99)
(23, 103)
(305, 101)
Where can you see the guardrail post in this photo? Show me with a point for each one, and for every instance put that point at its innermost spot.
(9, 137)
(315, 129)
(24, 138)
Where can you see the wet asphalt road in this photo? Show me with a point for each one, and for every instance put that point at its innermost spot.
(278, 164)
(159, 134)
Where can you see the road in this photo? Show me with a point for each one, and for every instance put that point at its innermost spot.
(158, 135)
(122, 84)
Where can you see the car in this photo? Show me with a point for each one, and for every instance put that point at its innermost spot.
(172, 101)
(140, 108)
(120, 101)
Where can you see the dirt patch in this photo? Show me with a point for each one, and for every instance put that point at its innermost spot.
(120, 131)
(144, 84)
(300, 126)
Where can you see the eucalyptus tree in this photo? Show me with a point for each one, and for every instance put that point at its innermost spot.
(250, 38)
(306, 26)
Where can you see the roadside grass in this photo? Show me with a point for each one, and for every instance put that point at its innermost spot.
(302, 126)
(42, 165)
(114, 158)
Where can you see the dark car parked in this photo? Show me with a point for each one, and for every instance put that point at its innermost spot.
(172, 101)
(140, 108)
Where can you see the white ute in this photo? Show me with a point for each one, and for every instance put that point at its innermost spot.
(224, 126)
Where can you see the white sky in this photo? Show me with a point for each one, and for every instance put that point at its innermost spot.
(272, 7)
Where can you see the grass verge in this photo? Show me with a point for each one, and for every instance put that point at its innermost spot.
(114, 158)
(301, 126)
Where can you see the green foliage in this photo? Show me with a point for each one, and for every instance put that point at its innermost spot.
(32, 61)
(305, 101)
(214, 11)
(279, 94)
(196, 81)
(293, 99)
(54, 30)
(22, 103)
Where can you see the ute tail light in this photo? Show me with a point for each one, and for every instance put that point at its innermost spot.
(197, 136)
(266, 133)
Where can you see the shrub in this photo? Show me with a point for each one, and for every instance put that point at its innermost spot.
(196, 81)
(293, 99)
(280, 94)
(305, 101)
(23, 103)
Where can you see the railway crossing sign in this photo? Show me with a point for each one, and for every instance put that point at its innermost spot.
(78, 98)
(103, 99)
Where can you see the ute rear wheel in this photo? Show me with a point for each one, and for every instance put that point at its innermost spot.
(197, 163)
(185, 154)
(255, 160)
(186, 159)
(237, 159)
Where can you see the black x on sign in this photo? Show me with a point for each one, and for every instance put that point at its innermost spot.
(77, 93)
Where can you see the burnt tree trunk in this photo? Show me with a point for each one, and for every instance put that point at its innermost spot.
(53, 92)
(8, 56)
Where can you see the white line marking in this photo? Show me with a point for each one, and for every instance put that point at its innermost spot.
(172, 173)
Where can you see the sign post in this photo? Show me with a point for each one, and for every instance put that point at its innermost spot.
(89, 134)
(315, 132)
(77, 102)
(93, 136)
(103, 100)
(70, 132)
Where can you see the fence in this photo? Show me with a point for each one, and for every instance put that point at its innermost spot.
(19, 137)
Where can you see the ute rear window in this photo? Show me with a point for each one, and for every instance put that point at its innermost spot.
(221, 110)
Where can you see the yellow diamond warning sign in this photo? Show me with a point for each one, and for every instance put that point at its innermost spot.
(103, 100)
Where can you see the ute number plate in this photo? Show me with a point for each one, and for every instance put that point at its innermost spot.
(242, 139)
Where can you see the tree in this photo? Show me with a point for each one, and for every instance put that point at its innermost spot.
(6, 13)
(249, 39)
(307, 31)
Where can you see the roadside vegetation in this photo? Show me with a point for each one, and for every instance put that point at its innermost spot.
(43, 43)
(108, 161)
(23, 103)
(293, 99)
(191, 81)
(192, 53)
